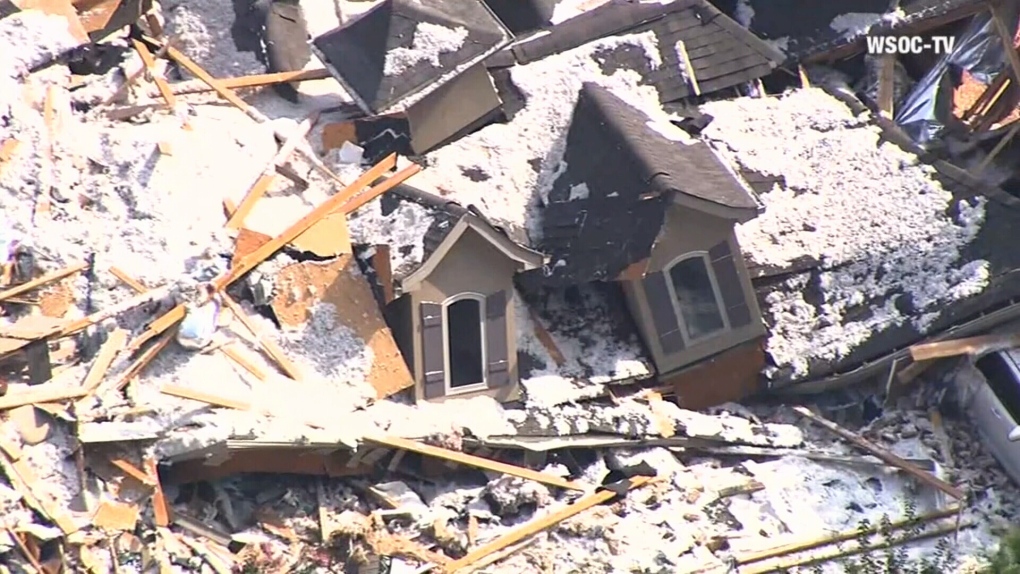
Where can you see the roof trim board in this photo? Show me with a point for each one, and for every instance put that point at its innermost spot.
(738, 214)
(528, 258)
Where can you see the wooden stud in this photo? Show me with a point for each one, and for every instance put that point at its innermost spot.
(159, 505)
(381, 263)
(254, 81)
(688, 67)
(268, 345)
(128, 280)
(265, 180)
(546, 339)
(475, 461)
(805, 82)
(132, 471)
(234, 354)
(882, 454)
(537, 525)
(130, 80)
(253, 259)
(41, 281)
(966, 346)
(150, 64)
(40, 394)
(886, 84)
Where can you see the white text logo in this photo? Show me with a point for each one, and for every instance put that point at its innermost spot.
(879, 45)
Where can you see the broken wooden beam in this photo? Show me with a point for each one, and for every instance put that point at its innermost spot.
(966, 346)
(268, 345)
(886, 84)
(882, 454)
(338, 201)
(150, 65)
(131, 470)
(529, 529)
(160, 509)
(844, 536)
(131, 79)
(40, 394)
(253, 81)
(476, 461)
(268, 175)
(41, 281)
(115, 342)
(197, 71)
(204, 397)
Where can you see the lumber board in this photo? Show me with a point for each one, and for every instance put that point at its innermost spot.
(150, 65)
(160, 509)
(41, 281)
(268, 345)
(965, 346)
(253, 81)
(476, 461)
(537, 525)
(107, 353)
(253, 259)
(132, 471)
(268, 176)
(40, 394)
(882, 454)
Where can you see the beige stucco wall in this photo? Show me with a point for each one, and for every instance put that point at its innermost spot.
(471, 265)
(685, 231)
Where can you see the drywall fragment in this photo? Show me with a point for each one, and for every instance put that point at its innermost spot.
(351, 153)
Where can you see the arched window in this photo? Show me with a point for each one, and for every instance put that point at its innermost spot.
(464, 340)
(696, 297)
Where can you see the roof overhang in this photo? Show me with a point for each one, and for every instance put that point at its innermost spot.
(526, 258)
(738, 214)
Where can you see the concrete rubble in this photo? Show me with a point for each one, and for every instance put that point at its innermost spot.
(175, 398)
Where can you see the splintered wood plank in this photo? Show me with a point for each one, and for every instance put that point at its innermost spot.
(235, 354)
(476, 462)
(128, 280)
(882, 454)
(265, 180)
(24, 480)
(141, 362)
(254, 81)
(197, 71)
(268, 345)
(159, 505)
(335, 202)
(107, 353)
(150, 65)
(40, 394)
(247, 241)
(132, 471)
(41, 281)
(529, 529)
(965, 346)
(204, 397)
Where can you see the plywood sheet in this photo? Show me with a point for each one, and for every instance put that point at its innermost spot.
(339, 282)
(61, 8)
(327, 238)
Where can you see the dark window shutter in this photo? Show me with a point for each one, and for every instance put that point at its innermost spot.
(660, 301)
(730, 285)
(432, 350)
(496, 344)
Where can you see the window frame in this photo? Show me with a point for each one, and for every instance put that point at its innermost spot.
(720, 304)
(483, 341)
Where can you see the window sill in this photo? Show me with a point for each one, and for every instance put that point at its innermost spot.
(454, 391)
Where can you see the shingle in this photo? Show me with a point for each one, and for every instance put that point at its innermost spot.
(699, 25)
(357, 52)
(619, 160)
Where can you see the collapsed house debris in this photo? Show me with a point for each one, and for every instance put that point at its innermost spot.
(470, 288)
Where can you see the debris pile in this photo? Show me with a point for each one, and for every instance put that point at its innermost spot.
(235, 336)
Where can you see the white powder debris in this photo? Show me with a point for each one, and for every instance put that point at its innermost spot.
(538, 132)
(781, 44)
(205, 32)
(579, 191)
(854, 23)
(870, 214)
(428, 43)
(402, 230)
(744, 13)
(332, 349)
(39, 38)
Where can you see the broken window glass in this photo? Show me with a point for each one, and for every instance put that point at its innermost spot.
(464, 343)
(696, 297)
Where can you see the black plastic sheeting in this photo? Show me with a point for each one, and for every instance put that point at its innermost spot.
(979, 51)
